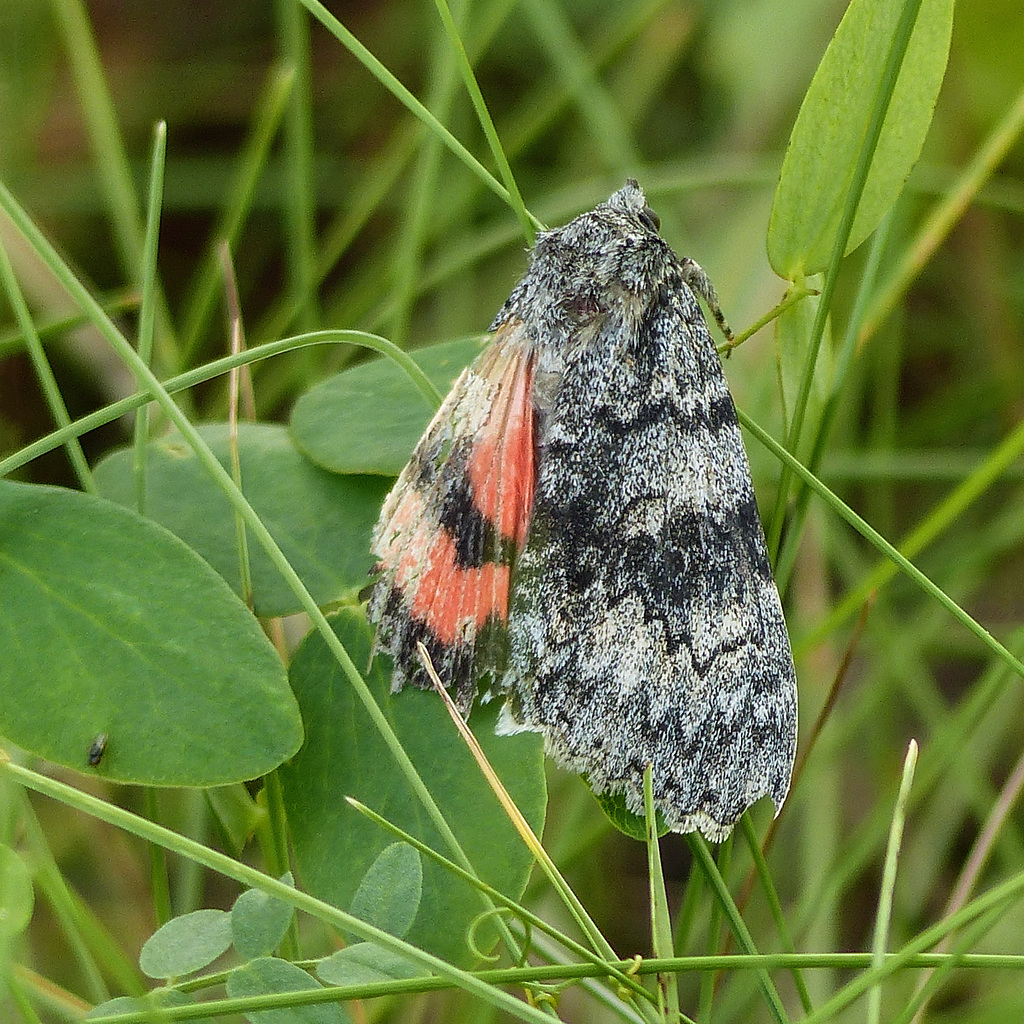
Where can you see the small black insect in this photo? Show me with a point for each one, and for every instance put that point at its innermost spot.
(97, 749)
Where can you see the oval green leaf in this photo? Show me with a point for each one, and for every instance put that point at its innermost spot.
(344, 756)
(259, 922)
(269, 976)
(322, 521)
(369, 418)
(830, 130)
(112, 627)
(366, 963)
(389, 893)
(186, 944)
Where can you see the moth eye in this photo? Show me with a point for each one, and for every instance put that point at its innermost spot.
(650, 218)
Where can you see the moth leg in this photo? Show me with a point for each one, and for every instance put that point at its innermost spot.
(700, 284)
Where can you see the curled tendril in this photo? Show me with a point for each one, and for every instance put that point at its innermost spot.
(544, 997)
(476, 923)
(633, 969)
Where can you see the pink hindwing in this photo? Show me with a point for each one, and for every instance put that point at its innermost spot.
(451, 526)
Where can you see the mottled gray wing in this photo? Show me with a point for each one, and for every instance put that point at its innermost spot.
(645, 625)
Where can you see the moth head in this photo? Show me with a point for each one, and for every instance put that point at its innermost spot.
(605, 261)
(630, 199)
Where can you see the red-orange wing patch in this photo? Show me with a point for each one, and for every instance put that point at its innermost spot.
(454, 521)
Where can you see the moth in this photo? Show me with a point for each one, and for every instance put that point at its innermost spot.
(576, 532)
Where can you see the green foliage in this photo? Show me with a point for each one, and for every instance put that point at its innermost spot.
(628, 823)
(368, 419)
(364, 963)
(389, 893)
(834, 125)
(15, 895)
(112, 625)
(16, 903)
(259, 922)
(186, 944)
(339, 853)
(322, 520)
(347, 165)
(159, 999)
(268, 976)
(792, 346)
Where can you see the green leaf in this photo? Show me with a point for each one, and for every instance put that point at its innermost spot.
(259, 922)
(152, 1001)
(389, 894)
(368, 419)
(186, 944)
(830, 129)
(113, 626)
(270, 975)
(344, 755)
(321, 520)
(366, 963)
(16, 896)
(628, 823)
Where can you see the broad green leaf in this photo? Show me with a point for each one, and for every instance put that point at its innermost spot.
(15, 894)
(366, 963)
(389, 893)
(345, 756)
(112, 626)
(833, 121)
(186, 944)
(792, 337)
(259, 922)
(369, 418)
(322, 521)
(270, 975)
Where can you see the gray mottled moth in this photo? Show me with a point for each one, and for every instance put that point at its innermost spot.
(577, 532)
